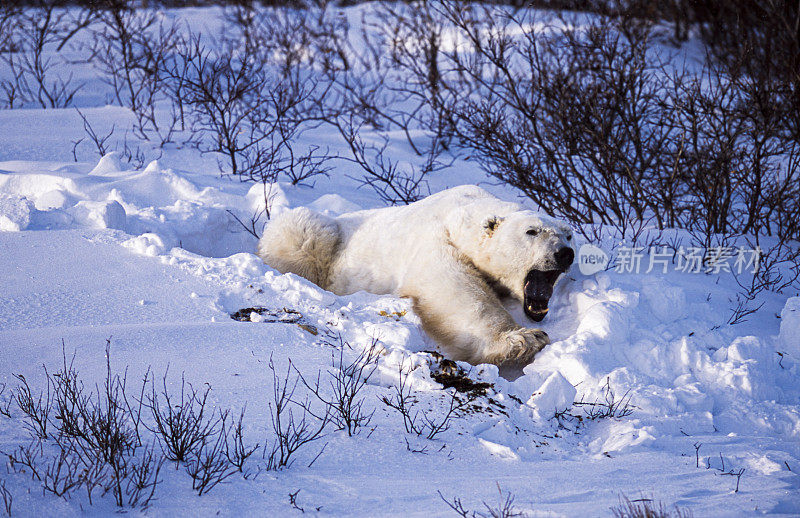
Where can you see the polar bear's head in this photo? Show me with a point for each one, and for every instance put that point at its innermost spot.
(525, 253)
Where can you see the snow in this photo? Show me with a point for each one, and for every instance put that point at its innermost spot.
(153, 258)
(99, 214)
(15, 213)
(666, 302)
(83, 281)
(555, 395)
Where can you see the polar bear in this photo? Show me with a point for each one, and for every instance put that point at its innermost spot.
(456, 254)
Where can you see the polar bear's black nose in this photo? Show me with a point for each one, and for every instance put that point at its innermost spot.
(564, 257)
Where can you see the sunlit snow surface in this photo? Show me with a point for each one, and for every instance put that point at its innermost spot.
(153, 260)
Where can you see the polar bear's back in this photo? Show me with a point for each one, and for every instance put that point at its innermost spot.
(376, 250)
(381, 248)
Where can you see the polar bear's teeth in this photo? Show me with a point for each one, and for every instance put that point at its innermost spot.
(539, 311)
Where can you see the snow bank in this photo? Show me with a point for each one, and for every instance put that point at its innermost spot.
(154, 200)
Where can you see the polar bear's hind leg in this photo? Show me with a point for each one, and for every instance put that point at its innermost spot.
(302, 242)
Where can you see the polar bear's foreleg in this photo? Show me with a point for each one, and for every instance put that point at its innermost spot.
(462, 313)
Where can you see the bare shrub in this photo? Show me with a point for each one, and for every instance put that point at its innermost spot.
(404, 52)
(131, 478)
(217, 90)
(647, 508)
(503, 509)
(311, 32)
(394, 183)
(71, 403)
(345, 382)
(100, 142)
(29, 37)
(236, 451)
(9, 16)
(35, 408)
(67, 470)
(293, 429)
(722, 470)
(208, 464)
(573, 117)
(711, 153)
(347, 85)
(102, 426)
(142, 477)
(5, 401)
(98, 445)
(8, 498)
(26, 457)
(757, 268)
(249, 105)
(183, 423)
(391, 85)
(131, 48)
(8, 20)
(416, 421)
(760, 37)
(740, 173)
(596, 124)
(610, 406)
(104, 423)
(63, 473)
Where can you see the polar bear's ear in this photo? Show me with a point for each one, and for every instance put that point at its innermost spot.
(490, 224)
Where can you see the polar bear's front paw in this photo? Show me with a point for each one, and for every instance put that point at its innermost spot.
(519, 346)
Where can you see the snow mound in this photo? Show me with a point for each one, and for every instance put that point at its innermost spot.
(607, 321)
(15, 212)
(267, 198)
(333, 205)
(146, 244)
(556, 394)
(152, 167)
(109, 164)
(172, 204)
(55, 199)
(99, 214)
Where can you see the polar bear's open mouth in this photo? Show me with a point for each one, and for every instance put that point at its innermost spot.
(538, 289)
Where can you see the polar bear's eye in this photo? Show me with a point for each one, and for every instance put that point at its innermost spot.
(532, 232)
(569, 237)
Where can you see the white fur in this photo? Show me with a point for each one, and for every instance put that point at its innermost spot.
(301, 241)
(450, 253)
